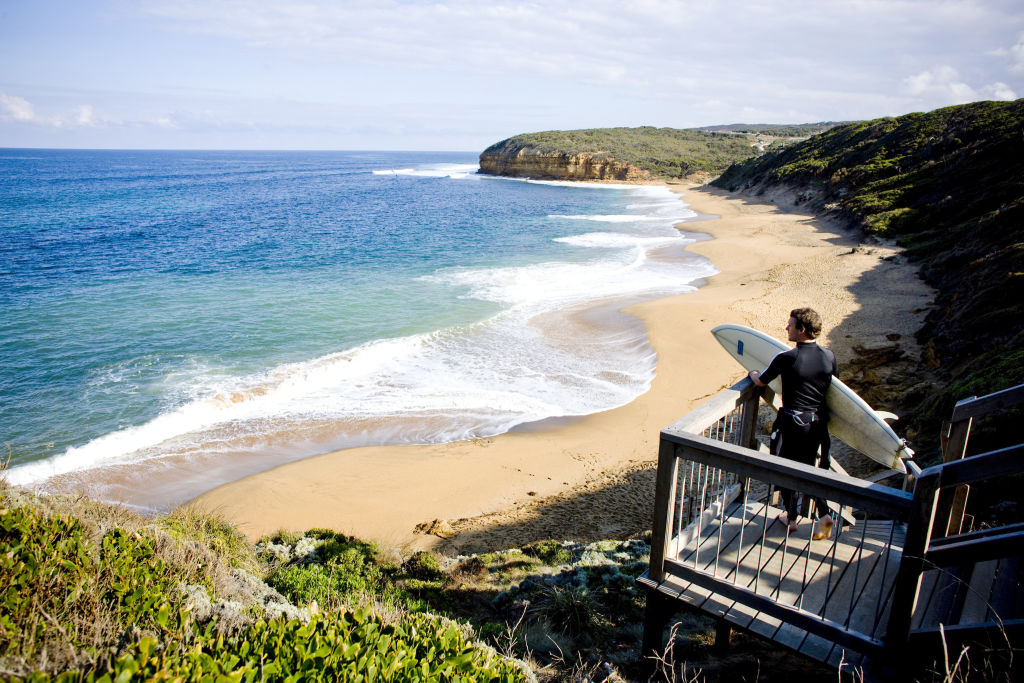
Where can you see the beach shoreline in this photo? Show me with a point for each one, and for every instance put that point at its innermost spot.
(591, 477)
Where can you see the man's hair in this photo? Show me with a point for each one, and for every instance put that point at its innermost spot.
(808, 320)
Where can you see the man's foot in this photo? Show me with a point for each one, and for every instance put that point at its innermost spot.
(783, 519)
(823, 528)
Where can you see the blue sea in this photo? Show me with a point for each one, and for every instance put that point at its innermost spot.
(171, 321)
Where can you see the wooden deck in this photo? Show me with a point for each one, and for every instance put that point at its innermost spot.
(838, 580)
(886, 592)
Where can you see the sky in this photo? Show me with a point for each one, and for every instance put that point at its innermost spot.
(460, 75)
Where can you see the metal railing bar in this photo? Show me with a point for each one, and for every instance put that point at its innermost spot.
(783, 570)
(764, 534)
(807, 561)
(832, 564)
(859, 593)
(859, 554)
(740, 554)
(703, 506)
(885, 603)
(885, 571)
(721, 523)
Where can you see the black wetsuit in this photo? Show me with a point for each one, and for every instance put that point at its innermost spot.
(802, 425)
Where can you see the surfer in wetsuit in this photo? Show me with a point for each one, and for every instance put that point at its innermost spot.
(801, 427)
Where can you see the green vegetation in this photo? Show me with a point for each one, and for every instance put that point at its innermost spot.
(94, 593)
(668, 152)
(949, 186)
(784, 130)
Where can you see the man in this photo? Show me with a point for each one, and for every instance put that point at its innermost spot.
(802, 424)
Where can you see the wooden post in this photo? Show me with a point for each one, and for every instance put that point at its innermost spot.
(659, 607)
(664, 499)
(952, 502)
(723, 633)
(908, 576)
(657, 613)
(748, 425)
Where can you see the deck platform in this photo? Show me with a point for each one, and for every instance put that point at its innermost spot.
(898, 585)
(847, 580)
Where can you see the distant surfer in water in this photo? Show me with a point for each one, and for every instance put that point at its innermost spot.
(801, 427)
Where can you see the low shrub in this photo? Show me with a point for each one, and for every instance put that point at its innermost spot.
(424, 566)
(552, 553)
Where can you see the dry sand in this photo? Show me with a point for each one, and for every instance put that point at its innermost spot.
(593, 478)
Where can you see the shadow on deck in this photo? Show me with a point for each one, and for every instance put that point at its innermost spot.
(884, 593)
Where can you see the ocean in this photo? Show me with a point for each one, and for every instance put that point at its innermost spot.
(171, 321)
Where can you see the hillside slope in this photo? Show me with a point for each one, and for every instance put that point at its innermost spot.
(949, 185)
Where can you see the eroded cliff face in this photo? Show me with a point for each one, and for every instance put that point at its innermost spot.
(528, 162)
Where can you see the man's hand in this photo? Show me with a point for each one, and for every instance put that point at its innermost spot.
(755, 377)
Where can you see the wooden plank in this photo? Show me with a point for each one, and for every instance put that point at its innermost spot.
(976, 407)
(1007, 600)
(976, 594)
(941, 595)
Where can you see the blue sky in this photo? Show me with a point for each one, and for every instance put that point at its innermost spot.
(462, 74)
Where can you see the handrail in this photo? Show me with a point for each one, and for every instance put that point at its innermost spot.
(996, 463)
(973, 550)
(712, 410)
(812, 480)
(976, 406)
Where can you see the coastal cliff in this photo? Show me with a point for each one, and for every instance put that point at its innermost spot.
(639, 155)
(521, 161)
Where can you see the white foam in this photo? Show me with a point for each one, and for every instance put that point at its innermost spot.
(610, 218)
(425, 388)
(618, 240)
(434, 171)
(543, 287)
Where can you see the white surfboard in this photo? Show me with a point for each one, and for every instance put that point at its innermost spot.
(852, 420)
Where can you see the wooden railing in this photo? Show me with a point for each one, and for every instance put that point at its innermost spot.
(716, 544)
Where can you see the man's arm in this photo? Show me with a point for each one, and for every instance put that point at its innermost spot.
(770, 373)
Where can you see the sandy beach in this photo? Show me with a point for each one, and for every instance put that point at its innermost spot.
(593, 478)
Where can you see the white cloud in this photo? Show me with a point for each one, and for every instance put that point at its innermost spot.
(85, 115)
(942, 82)
(17, 108)
(998, 91)
(1016, 54)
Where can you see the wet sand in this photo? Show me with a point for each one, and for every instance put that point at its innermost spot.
(592, 478)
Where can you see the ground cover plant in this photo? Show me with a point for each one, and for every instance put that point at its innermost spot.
(95, 593)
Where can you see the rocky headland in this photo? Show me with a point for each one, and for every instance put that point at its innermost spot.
(524, 161)
(631, 155)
